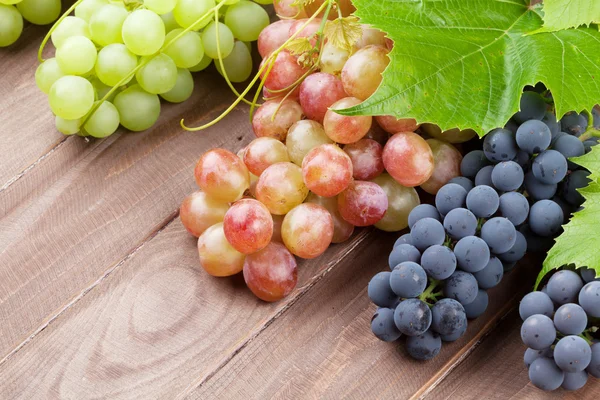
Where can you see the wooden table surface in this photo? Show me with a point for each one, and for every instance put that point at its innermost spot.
(102, 295)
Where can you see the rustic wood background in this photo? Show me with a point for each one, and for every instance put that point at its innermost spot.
(102, 295)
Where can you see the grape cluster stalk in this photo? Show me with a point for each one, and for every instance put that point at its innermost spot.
(115, 60)
(513, 196)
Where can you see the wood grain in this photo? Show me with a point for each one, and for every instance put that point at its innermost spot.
(152, 326)
(89, 204)
(495, 370)
(27, 130)
(323, 348)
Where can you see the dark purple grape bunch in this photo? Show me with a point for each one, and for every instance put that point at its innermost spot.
(530, 156)
(482, 224)
(442, 269)
(560, 330)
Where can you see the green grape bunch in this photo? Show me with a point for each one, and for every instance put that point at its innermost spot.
(13, 12)
(115, 60)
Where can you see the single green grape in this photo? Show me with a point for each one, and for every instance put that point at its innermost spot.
(169, 21)
(67, 126)
(76, 56)
(138, 109)
(87, 8)
(47, 73)
(39, 12)
(11, 26)
(114, 63)
(203, 64)
(187, 12)
(246, 20)
(104, 121)
(143, 32)
(183, 87)
(186, 51)
(160, 6)
(238, 64)
(225, 40)
(71, 97)
(106, 24)
(158, 75)
(70, 26)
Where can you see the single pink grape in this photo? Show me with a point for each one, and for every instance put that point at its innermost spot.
(393, 125)
(363, 71)
(281, 188)
(248, 226)
(342, 229)
(367, 159)
(271, 273)
(408, 159)
(318, 92)
(307, 230)
(273, 37)
(309, 31)
(327, 170)
(447, 161)
(265, 125)
(222, 175)
(284, 72)
(343, 129)
(198, 212)
(363, 203)
(264, 152)
(217, 256)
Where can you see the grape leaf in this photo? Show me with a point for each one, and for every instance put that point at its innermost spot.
(463, 64)
(564, 14)
(579, 242)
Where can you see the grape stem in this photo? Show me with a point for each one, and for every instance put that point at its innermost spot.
(49, 34)
(269, 64)
(131, 73)
(591, 131)
(428, 292)
(220, 57)
(318, 45)
(586, 336)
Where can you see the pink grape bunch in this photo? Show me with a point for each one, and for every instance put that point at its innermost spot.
(311, 175)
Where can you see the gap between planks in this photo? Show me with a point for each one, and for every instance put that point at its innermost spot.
(243, 343)
(98, 281)
(33, 165)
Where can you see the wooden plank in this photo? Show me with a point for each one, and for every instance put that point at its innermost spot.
(496, 370)
(154, 325)
(87, 205)
(323, 348)
(27, 130)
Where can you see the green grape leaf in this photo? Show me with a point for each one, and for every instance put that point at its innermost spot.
(565, 14)
(463, 64)
(579, 242)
